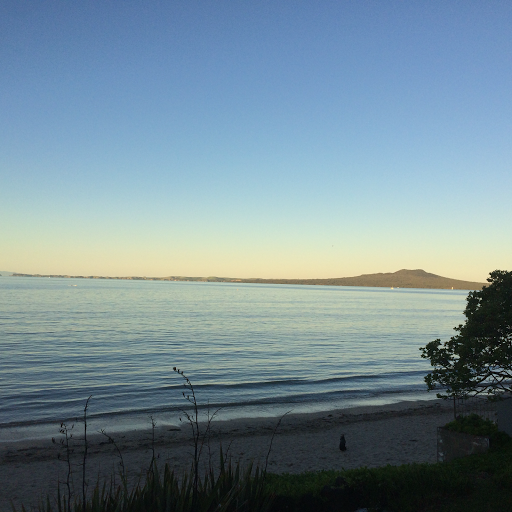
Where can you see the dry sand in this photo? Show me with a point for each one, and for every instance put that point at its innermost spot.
(394, 434)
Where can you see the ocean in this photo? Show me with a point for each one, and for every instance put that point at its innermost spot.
(249, 349)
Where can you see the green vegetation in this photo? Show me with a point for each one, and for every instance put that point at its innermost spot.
(472, 424)
(477, 426)
(478, 360)
(473, 484)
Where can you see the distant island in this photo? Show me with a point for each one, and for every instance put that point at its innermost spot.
(400, 279)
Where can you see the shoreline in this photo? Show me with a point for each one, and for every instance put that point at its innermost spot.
(404, 278)
(399, 433)
(137, 420)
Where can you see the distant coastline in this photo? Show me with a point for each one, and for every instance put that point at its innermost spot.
(400, 279)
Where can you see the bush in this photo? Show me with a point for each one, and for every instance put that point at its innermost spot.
(479, 483)
(477, 426)
(472, 424)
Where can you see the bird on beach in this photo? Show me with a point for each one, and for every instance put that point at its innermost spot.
(343, 443)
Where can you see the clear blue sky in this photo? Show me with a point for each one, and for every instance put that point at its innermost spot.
(256, 138)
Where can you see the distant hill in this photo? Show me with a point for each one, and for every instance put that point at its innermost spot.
(5, 273)
(400, 279)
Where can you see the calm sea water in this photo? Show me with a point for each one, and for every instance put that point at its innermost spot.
(253, 349)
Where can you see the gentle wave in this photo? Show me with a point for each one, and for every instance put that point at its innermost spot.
(242, 346)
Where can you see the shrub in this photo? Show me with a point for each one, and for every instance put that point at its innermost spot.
(472, 424)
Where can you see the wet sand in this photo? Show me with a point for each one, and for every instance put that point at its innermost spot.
(394, 434)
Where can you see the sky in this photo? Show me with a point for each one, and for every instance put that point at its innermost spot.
(273, 139)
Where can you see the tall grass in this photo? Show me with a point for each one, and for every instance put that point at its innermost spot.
(231, 489)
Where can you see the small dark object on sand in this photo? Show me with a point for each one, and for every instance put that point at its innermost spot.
(343, 444)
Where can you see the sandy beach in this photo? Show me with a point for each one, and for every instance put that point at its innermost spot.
(394, 434)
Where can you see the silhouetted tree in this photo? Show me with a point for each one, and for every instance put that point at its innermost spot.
(478, 360)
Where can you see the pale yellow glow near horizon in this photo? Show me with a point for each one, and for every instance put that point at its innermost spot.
(317, 254)
(143, 262)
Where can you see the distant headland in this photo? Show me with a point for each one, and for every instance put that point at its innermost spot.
(400, 279)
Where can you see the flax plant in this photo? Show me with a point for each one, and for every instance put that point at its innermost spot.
(232, 489)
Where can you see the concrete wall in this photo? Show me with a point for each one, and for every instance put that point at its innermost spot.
(504, 408)
(453, 445)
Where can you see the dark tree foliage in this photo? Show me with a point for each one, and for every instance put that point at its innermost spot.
(478, 360)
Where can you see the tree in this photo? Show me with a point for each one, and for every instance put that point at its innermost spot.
(478, 360)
